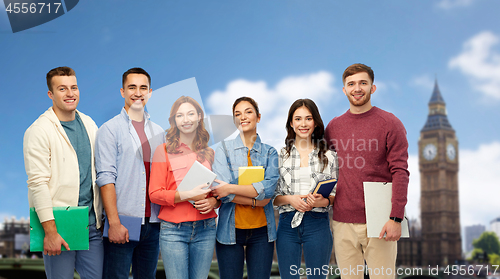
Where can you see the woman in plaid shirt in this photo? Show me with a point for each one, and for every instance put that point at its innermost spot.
(304, 224)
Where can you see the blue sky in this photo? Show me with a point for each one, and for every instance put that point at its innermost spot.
(276, 51)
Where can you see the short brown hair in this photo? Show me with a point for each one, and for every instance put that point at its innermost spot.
(358, 68)
(135, 70)
(59, 71)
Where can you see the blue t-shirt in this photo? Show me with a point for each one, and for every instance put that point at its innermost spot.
(79, 139)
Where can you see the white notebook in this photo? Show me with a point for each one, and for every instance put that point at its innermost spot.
(198, 174)
(378, 205)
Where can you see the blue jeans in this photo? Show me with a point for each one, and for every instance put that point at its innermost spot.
(142, 254)
(187, 248)
(258, 254)
(313, 235)
(88, 263)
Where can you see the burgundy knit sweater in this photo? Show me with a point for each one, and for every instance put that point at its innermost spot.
(371, 147)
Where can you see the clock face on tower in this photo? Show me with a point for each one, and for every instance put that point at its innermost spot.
(430, 152)
(451, 152)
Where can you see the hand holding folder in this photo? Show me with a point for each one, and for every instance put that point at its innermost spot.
(220, 191)
(378, 204)
(197, 193)
(246, 176)
(325, 187)
(191, 185)
(72, 224)
(132, 224)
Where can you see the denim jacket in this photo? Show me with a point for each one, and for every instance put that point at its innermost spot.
(261, 155)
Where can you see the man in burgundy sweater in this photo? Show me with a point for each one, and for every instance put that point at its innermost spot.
(371, 146)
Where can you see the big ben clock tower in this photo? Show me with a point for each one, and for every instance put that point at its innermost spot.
(438, 162)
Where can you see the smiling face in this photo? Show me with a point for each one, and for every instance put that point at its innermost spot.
(187, 118)
(245, 117)
(303, 123)
(136, 91)
(65, 97)
(358, 89)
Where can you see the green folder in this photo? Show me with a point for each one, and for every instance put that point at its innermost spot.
(72, 223)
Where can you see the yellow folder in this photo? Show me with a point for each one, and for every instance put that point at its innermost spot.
(249, 175)
(72, 223)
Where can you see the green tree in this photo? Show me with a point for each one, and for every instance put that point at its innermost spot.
(488, 242)
(477, 255)
(494, 259)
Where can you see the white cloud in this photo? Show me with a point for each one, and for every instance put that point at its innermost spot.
(479, 178)
(449, 4)
(480, 62)
(385, 89)
(424, 81)
(4, 216)
(275, 102)
(478, 182)
(383, 86)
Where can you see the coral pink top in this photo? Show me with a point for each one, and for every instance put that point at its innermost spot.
(167, 171)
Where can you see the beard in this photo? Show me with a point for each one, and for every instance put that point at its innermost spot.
(362, 101)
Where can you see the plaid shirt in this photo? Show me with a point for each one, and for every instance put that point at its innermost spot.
(289, 181)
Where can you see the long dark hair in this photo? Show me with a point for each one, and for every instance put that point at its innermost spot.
(200, 143)
(318, 135)
(247, 99)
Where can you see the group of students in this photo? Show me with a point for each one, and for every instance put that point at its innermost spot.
(138, 168)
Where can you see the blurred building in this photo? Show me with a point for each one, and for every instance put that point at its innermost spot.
(471, 233)
(14, 237)
(437, 240)
(438, 162)
(495, 226)
(410, 249)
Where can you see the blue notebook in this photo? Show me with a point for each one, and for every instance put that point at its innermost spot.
(325, 187)
(133, 225)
